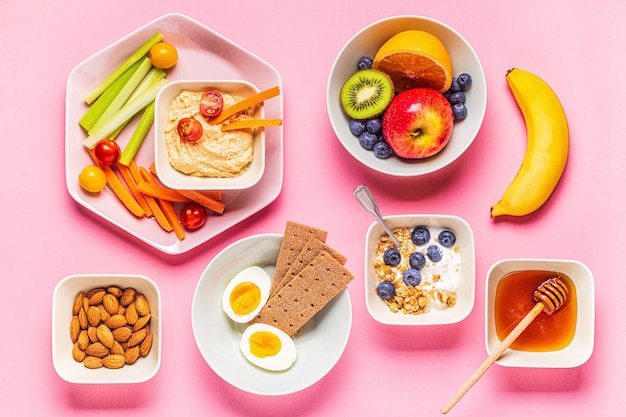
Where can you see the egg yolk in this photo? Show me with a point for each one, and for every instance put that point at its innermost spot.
(263, 344)
(245, 297)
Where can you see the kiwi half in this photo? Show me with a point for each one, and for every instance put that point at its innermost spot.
(366, 94)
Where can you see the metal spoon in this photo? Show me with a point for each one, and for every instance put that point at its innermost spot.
(367, 200)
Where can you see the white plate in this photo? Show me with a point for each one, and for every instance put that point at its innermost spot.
(203, 54)
(319, 346)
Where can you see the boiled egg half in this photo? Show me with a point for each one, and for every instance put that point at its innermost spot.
(246, 293)
(268, 347)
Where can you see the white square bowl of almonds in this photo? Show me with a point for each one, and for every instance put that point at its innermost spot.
(106, 329)
(429, 280)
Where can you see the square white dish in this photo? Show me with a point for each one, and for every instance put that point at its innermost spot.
(203, 53)
(63, 298)
(176, 179)
(379, 310)
(580, 348)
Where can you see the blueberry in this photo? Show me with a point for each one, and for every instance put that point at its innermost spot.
(368, 140)
(465, 81)
(459, 111)
(454, 87)
(392, 257)
(382, 150)
(434, 253)
(447, 238)
(386, 290)
(356, 127)
(420, 235)
(365, 62)
(411, 277)
(457, 97)
(417, 260)
(374, 125)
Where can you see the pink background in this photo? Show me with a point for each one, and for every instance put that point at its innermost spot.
(577, 46)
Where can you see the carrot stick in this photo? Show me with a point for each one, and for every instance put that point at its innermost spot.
(162, 193)
(132, 185)
(214, 194)
(204, 200)
(244, 104)
(159, 216)
(251, 123)
(118, 188)
(166, 206)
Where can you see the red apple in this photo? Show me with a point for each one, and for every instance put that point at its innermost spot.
(418, 123)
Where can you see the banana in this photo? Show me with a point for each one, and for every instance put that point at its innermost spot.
(547, 147)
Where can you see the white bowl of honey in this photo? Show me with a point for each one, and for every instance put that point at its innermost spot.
(563, 339)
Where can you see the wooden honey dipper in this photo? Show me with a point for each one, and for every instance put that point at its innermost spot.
(550, 296)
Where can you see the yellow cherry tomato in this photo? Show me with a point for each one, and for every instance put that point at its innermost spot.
(92, 179)
(163, 55)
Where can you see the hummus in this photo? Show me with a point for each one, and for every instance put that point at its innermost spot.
(216, 154)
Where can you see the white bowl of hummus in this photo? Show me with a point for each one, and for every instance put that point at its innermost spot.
(218, 160)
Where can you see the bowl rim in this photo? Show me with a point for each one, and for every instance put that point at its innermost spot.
(177, 180)
(480, 110)
(469, 259)
(61, 325)
(581, 347)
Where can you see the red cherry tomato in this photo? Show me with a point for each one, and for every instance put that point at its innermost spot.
(211, 103)
(107, 152)
(193, 216)
(189, 129)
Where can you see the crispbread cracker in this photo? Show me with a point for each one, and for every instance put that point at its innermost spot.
(309, 252)
(306, 294)
(295, 237)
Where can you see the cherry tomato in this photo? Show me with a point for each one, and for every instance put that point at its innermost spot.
(193, 216)
(189, 129)
(92, 179)
(107, 152)
(211, 103)
(163, 55)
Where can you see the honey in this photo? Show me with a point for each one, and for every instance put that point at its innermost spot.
(514, 299)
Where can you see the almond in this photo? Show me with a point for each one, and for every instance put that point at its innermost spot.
(122, 334)
(82, 318)
(104, 314)
(116, 291)
(110, 304)
(78, 302)
(131, 355)
(77, 353)
(74, 329)
(146, 345)
(131, 314)
(96, 296)
(137, 337)
(141, 323)
(116, 321)
(105, 336)
(93, 315)
(97, 349)
(92, 332)
(128, 296)
(121, 310)
(117, 348)
(142, 305)
(92, 362)
(113, 361)
(83, 340)
(85, 303)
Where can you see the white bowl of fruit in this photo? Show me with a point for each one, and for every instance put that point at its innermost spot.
(406, 95)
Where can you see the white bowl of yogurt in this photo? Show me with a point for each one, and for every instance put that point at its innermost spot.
(218, 160)
(429, 280)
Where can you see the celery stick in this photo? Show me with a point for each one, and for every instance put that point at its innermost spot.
(135, 141)
(94, 112)
(123, 95)
(136, 56)
(124, 114)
